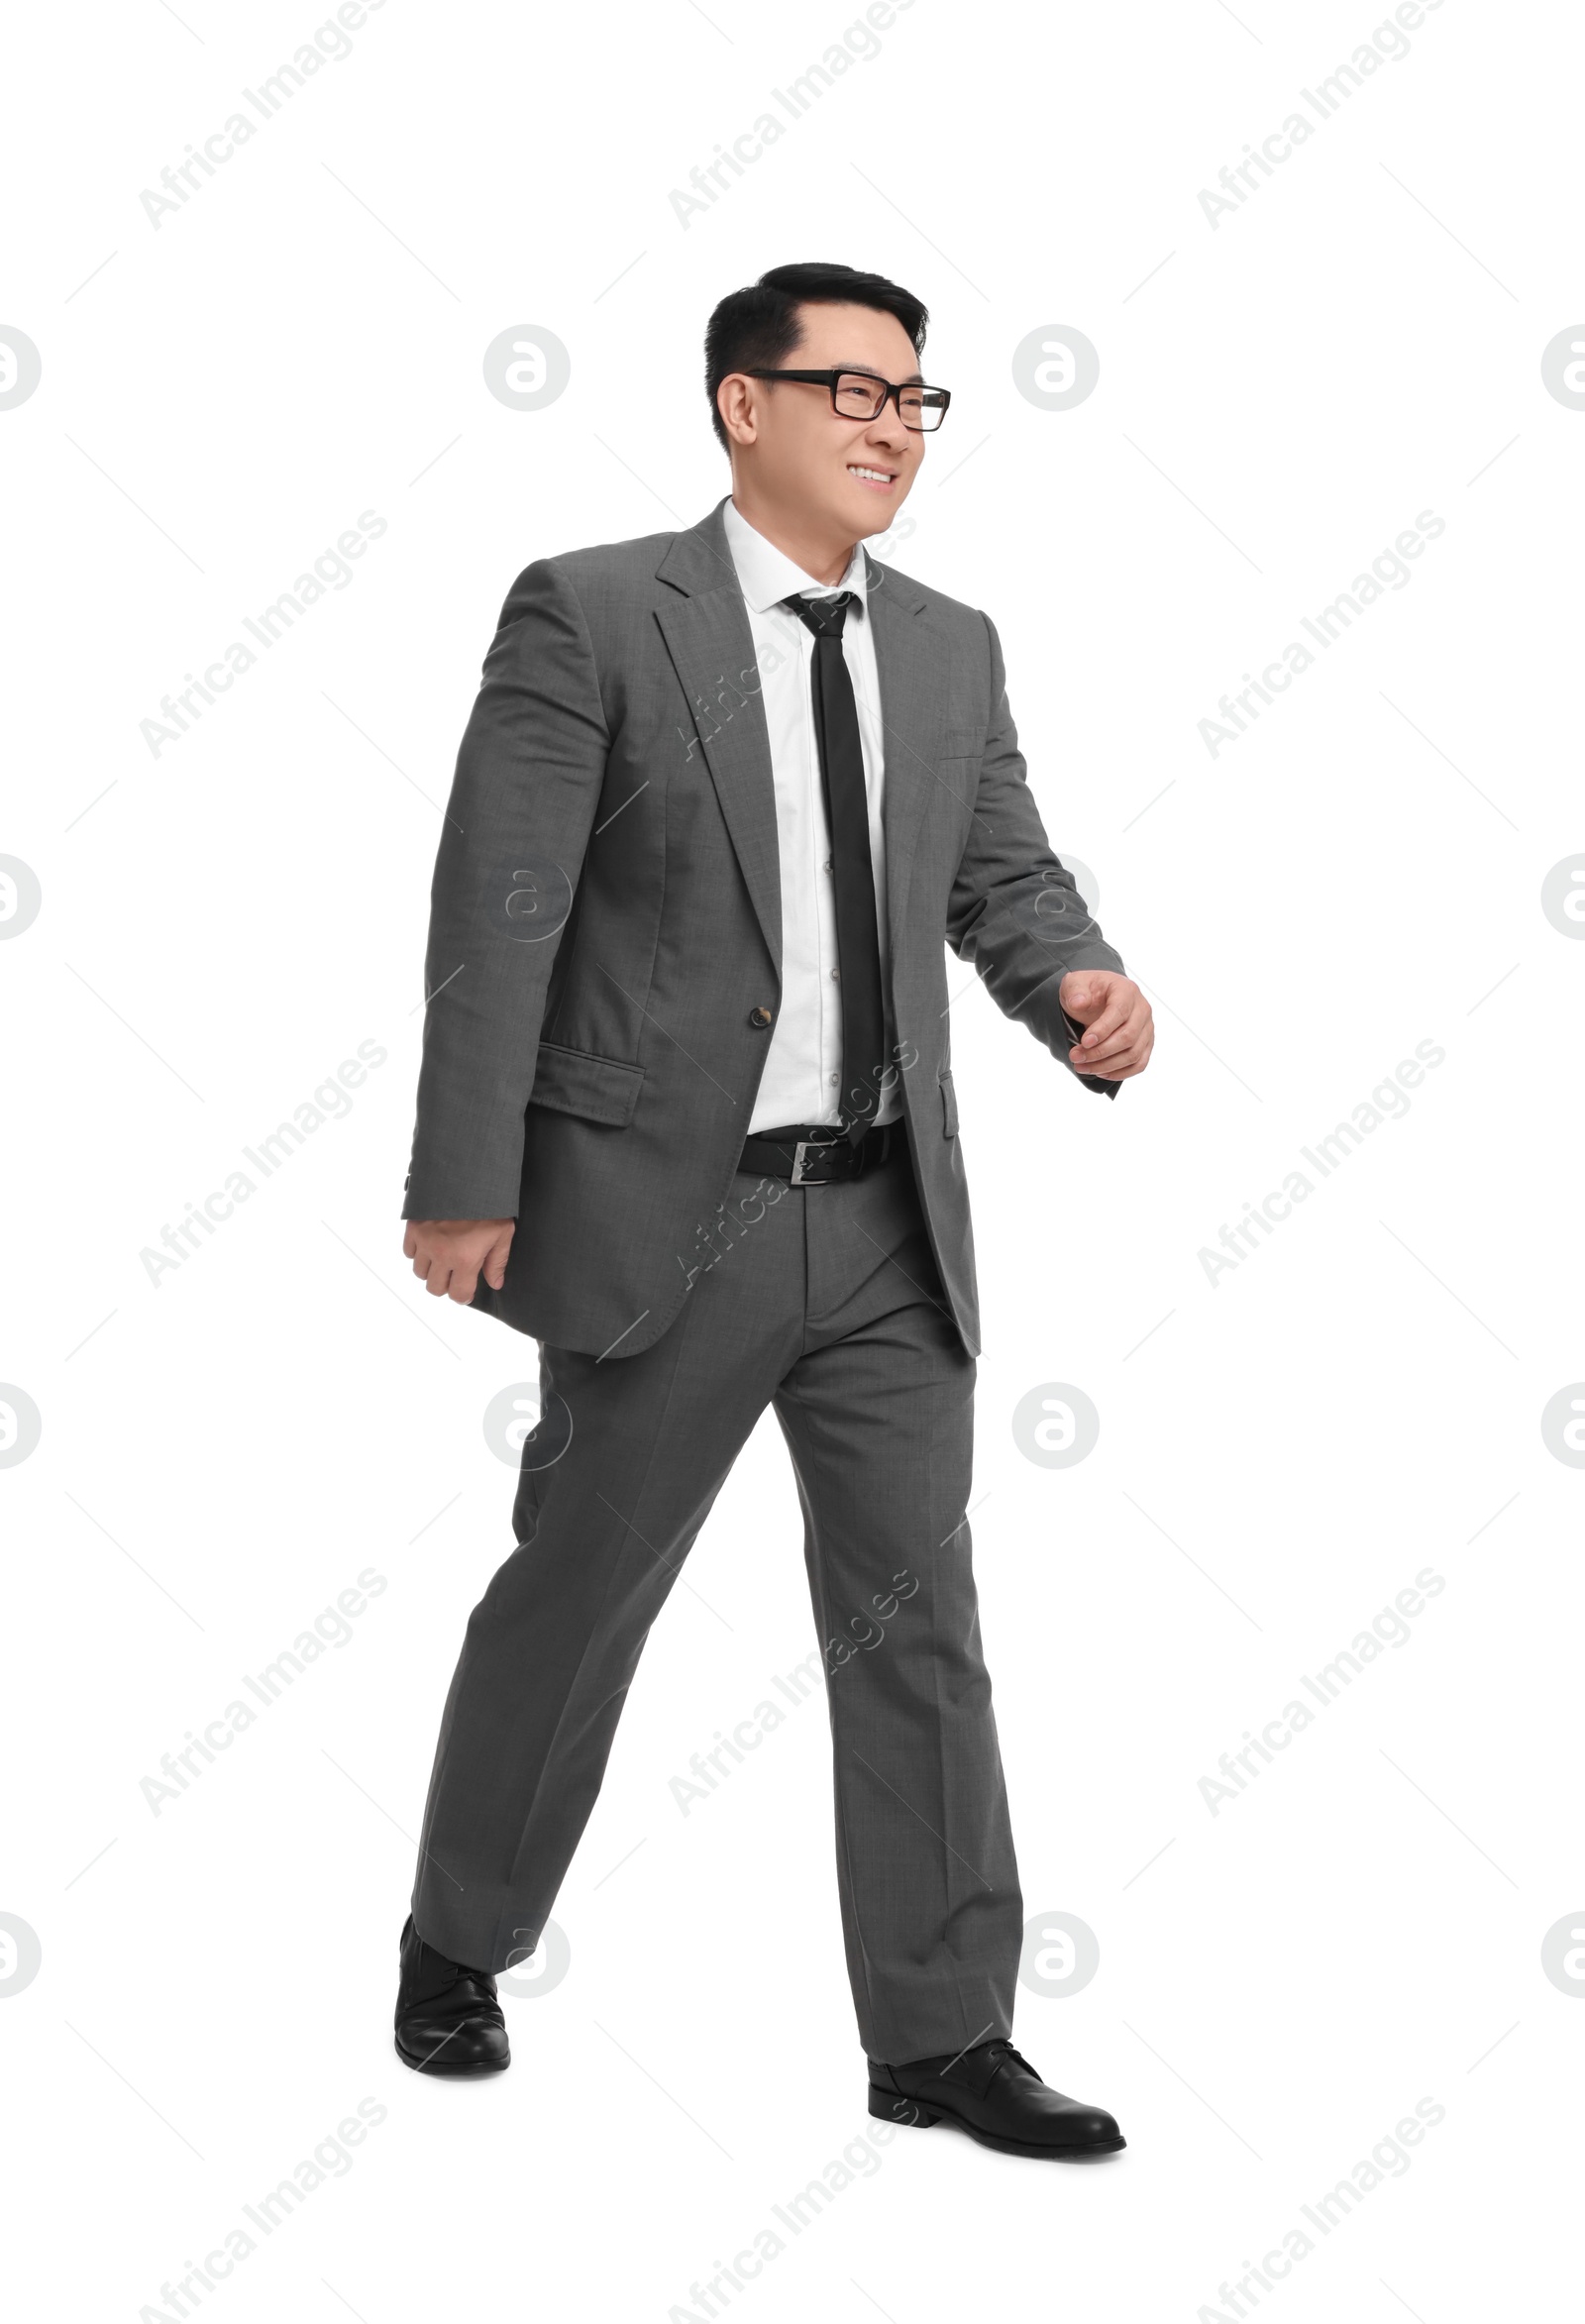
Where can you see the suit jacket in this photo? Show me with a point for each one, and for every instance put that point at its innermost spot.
(606, 934)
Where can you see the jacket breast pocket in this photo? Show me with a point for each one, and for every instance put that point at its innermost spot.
(949, 1103)
(575, 1081)
(960, 750)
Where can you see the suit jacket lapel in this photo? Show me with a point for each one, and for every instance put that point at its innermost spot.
(913, 715)
(707, 636)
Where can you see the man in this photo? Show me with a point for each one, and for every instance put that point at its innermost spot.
(686, 1116)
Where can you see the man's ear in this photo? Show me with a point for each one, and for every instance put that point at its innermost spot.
(735, 402)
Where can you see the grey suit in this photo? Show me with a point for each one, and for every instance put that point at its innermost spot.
(603, 963)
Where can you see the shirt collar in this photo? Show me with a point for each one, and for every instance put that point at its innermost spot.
(767, 575)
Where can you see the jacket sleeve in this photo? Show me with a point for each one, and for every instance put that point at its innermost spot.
(522, 805)
(1014, 912)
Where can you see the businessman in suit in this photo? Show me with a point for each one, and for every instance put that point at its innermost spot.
(685, 1116)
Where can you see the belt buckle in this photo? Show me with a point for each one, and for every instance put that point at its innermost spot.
(810, 1146)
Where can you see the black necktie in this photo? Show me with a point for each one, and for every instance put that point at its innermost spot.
(847, 812)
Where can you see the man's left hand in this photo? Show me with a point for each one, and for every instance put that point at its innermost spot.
(1119, 1030)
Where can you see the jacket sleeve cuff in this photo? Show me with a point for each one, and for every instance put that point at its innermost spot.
(458, 1202)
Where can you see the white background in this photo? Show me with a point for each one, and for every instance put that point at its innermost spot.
(1280, 1452)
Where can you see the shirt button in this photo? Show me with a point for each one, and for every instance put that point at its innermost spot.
(828, 865)
(833, 1080)
(759, 1019)
(835, 973)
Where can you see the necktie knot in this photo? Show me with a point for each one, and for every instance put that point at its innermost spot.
(823, 615)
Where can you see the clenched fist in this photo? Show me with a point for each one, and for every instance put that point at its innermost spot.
(449, 1254)
(1119, 1030)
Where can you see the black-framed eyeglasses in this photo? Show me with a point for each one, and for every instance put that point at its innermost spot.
(864, 395)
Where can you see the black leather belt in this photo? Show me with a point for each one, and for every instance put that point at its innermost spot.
(818, 1155)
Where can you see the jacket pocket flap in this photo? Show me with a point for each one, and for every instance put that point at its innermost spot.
(573, 1081)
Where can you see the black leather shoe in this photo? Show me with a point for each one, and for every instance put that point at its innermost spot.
(996, 2095)
(448, 2019)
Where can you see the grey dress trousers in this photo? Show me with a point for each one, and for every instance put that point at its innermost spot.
(825, 1303)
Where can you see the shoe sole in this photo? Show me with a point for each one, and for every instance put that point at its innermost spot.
(912, 2115)
(462, 2073)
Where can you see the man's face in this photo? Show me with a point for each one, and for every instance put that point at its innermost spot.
(855, 472)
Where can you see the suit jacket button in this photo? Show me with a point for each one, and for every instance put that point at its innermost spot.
(759, 1019)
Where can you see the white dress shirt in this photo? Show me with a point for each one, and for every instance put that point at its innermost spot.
(804, 1070)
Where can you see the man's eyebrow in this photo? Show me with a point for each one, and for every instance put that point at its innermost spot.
(913, 379)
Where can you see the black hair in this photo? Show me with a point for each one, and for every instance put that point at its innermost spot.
(755, 328)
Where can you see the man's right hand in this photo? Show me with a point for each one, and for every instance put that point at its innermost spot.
(449, 1254)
